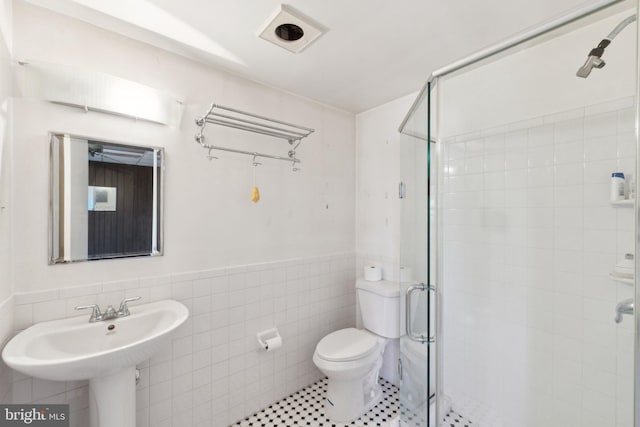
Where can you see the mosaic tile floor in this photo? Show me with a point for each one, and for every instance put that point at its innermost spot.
(305, 408)
(454, 420)
(411, 418)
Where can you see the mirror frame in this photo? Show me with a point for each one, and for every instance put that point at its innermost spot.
(159, 199)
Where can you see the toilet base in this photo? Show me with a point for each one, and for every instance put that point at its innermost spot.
(349, 400)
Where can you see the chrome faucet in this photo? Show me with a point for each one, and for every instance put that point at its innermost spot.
(623, 307)
(110, 312)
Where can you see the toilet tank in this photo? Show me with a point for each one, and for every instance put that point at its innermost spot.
(380, 307)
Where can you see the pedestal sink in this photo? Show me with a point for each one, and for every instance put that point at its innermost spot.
(105, 353)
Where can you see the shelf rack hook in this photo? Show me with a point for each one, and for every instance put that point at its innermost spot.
(294, 161)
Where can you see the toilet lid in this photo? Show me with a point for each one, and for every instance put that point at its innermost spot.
(346, 344)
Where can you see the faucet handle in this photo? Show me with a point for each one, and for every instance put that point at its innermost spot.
(124, 309)
(96, 314)
(624, 307)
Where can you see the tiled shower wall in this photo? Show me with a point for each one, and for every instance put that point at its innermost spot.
(214, 373)
(529, 238)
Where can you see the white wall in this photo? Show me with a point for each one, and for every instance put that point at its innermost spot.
(6, 90)
(378, 216)
(377, 177)
(539, 81)
(377, 206)
(209, 219)
(240, 267)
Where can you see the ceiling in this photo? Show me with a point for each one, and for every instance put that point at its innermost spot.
(374, 50)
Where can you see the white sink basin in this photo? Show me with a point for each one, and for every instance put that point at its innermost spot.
(74, 349)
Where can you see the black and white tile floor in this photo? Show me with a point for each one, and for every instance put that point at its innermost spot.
(306, 408)
(411, 419)
(454, 420)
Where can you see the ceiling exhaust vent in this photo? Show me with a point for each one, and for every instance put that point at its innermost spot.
(291, 30)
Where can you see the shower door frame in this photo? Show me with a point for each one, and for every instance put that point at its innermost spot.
(636, 313)
(475, 58)
(417, 189)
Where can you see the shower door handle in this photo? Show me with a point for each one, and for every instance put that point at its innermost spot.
(407, 309)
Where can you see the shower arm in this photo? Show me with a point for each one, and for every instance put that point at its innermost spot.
(621, 26)
(599, 50)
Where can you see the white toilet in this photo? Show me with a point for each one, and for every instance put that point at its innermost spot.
(351, 358)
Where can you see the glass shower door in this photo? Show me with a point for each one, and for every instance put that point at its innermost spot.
(529, 238)
(529, 241)
(417, 362)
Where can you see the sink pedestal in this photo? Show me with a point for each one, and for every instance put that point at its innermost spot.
(112, 399)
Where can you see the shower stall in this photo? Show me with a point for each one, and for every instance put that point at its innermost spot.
(519, 259)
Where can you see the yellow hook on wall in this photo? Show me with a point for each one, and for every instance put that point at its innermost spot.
(255, 193)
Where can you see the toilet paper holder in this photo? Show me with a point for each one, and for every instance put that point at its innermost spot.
(269, 339)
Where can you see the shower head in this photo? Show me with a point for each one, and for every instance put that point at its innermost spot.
(591, 63)
(594, 59)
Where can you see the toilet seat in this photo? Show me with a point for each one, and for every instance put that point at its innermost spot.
(346, 344)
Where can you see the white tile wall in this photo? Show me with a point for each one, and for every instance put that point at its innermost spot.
(529, 239)
(214, 372)
(5, 382)
(6, 331)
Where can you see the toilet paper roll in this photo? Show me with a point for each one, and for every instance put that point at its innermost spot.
(372, 273)
(273, 343)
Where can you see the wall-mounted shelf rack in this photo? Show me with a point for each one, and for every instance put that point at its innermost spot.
(241, 120)
(619, 279)
(626, 203)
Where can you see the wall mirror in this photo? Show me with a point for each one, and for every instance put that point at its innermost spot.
(106, 199)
